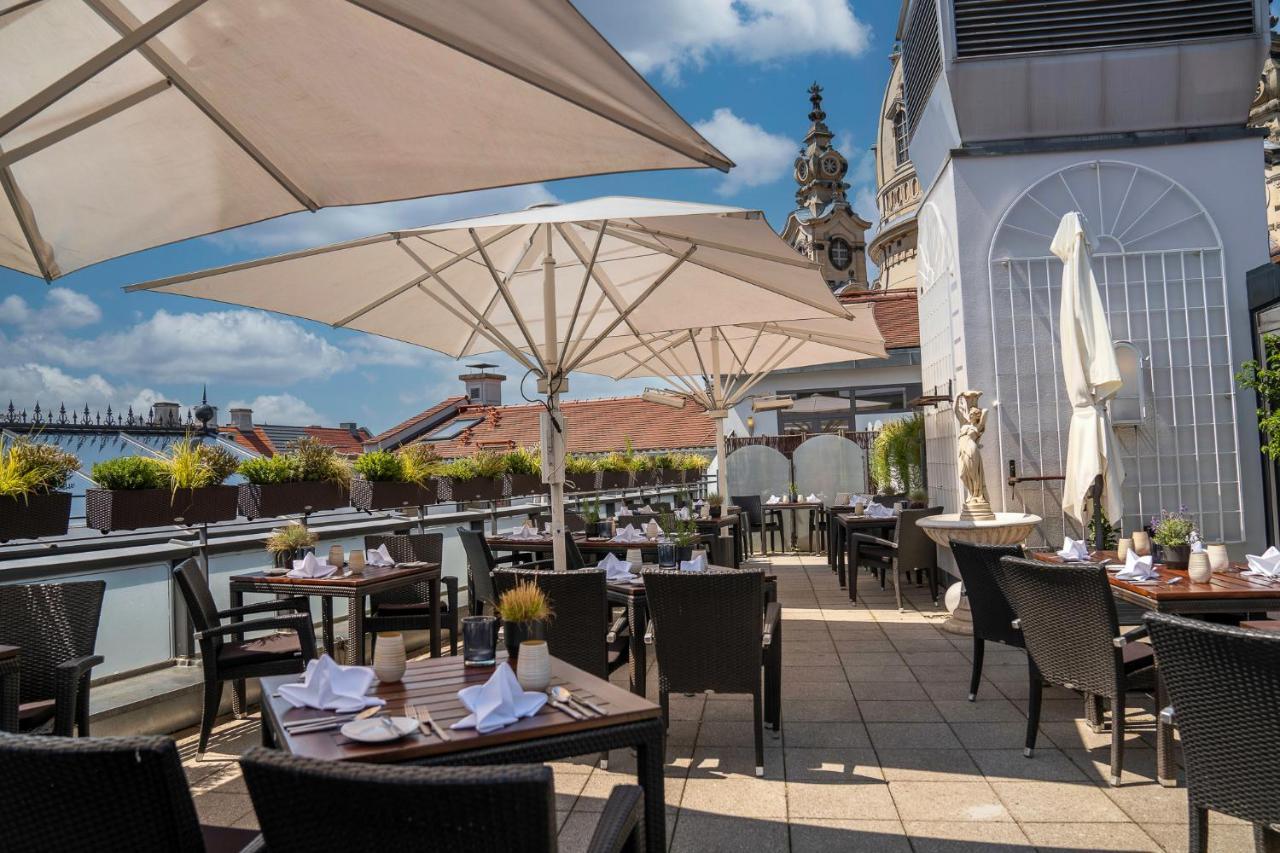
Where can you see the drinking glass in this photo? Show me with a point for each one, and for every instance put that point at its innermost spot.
(479, 640)
(666, 554)
(336, 556)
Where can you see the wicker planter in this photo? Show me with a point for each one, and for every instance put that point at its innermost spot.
(581, 482)
(204, 506)
(33, 516)
(369, 495)
(107, 509)
(524, 484)
(476, 489)
(267, 500)
(614, 479)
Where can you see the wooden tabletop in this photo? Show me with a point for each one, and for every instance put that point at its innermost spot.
(792, 505)
(865, 520)
(370, 575)
(1227, 584)
(7, 652)
(584, 543)
(434, 684)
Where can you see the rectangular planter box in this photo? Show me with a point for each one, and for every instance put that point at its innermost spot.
(580, 482)
(271, 499)
(370, 495)
(34, 516)
(106, 509)
(524, 484)
(614, 479)
(204, 506)
(478, 489)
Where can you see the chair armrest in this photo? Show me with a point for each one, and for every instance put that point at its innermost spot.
(513, 557)
(619, 625)
(76, 667)
(297, 603)
(291, 621)
(772, 616)
(868, 539)
(621, 825)
(68, 697)
(451, 592)
(648, 635)
(546, 562)
(1129, 636)
(1168, 717)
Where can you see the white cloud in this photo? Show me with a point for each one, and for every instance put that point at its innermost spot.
(374, 349)
(280, 409)
(672, 35)
(63, 309)
(762, 157)
(335, 224)
(31, 383)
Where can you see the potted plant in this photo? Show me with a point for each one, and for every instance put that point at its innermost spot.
(715, 504)
(918, 499)
(32, 501)
(641, 467)
(581, 473)
(683, 534)
(793, 492)
(197, 472)
(524, 611)
(473, 478)
(290, 542)
(184, 487)
(1174, 532)
(309, 477)
(383, 482)
(523, 467)
(693, 467)
(591, 512)
(615, 470)
(666, 468)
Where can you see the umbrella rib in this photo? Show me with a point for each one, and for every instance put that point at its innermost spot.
(382, 300)
(657, 234)
(741, 365)
(94, 65)
(496, 338)
(761, 374)
(118, 20)
(506, 297)
(493, 300)
(586, 278)
(40, 250)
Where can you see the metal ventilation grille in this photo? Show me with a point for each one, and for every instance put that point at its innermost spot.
(921, 60)
(1002, 27)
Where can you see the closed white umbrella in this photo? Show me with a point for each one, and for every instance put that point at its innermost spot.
(1090, 375)
(548, 286)
(718, 366)
(127, 124)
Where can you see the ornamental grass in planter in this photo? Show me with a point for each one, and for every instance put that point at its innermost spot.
(615, 470)
(581, 473)
(386, 480)
(32, 479)
(308, 477)
(474, 478)
(523, 467)
(290, 542)
(184, 487)
(524, 610)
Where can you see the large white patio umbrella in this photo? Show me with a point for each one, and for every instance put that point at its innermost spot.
(548, 286)
(127, 124)
(1091, 377)
(718, 366)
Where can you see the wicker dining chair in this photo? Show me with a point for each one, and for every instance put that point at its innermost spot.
(992, 614)
(573, 522)
(408, 608)
(227, 655)
(1224, 687)
(1068, 620)
(304, 805)
(480, 566)
(752, 508)
(87, 795)
(56, 627)
(910, 550)
(711, 630)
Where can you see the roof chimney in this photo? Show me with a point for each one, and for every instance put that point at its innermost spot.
(167, 414)
(242, 419)
(349, 426)
(483, 388)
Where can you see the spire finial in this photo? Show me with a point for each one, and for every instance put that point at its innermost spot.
(815, 98)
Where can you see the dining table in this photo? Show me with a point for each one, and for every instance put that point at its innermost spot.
(10, 672)
(843, 521)
(726, 541)
(350, 586)
(628, 721)
(794, 507)
(1229, 591)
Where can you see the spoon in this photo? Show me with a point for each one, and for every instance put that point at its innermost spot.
(565, 697)
(557, 702)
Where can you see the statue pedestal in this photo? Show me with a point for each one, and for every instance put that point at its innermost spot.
(1003, 528)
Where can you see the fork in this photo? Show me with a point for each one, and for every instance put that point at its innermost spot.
(412, 712)
(423, 716)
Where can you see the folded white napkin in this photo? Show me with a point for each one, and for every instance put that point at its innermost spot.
(1137, 568)
(652, 530)
(875, 510)
(615, 569)
(1074, 549)
(699, 502)
(647, 509)
(498, 702)
(624, 512)
(812, 498)
(1267, 565)
(378, 557)
(523, 532)
(697, 564)
(327, 686)
(682, 514)
(628, 534)
(310, 567)
(774, 499)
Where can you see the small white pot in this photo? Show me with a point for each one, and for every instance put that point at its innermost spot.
(389, 657)
(533, 669)
(1199, 567)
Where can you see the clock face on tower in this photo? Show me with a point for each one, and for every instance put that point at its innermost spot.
(802, 169)
(840, 253)
(830, 166)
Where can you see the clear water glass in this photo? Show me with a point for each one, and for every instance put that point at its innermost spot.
(479, 640)
(666, 554)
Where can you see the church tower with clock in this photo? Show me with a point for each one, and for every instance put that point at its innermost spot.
(824, 226)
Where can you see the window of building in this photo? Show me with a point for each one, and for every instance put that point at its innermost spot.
(474, 392)
(452, 429)
(840, 254)
(849, 409)
(900, 150)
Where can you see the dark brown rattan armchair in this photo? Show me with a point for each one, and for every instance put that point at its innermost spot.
(1068, 620)
(304, 805)
(1224, 685)
(711, 631)
(910, 550)
(753, 510)
(228, 656)
(96, 794)
(408, 608)
(56, 627)
(480, 566)
(993, 616)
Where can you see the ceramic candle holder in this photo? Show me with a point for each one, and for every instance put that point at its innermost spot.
(1123, 546)
(1198, 567)
(389, 656)
(336, 555)
(1141, 543)
(1218, 557)
(533, 670)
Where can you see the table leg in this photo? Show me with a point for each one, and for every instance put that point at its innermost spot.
(435, 617)
(238, 702)
(326, 625)
(638, 619)
(650, 755)
(10, 672)
(355, 630)
(736, 527)
(1166, 767)
(835, 544)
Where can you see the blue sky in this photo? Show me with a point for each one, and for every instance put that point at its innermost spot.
(736, 69)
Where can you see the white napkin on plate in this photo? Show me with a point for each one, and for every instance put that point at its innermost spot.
(774, 499)
(699, 502)
(697, 564)
(310, 567)
(647, 509)
(1267, 565)
(1137, 568)
(1074, 549)
(498, 702)
(682, 514)
(378, 557)
(624, 512)
(812, 498)
(875, 510)
(615, 569)
(628, 534)
(523, 532)
(326, 686)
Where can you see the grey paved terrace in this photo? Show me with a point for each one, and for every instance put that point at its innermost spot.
(879, 751)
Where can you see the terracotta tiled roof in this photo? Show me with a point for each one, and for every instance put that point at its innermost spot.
(255, 440)
(417, 419)
(342, 440)
(594, 426)
(896, 314)
(259, 441)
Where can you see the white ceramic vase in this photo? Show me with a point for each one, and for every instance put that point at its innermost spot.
(389, 656)
(1218, 557)
(1199, 568)
(533, 669)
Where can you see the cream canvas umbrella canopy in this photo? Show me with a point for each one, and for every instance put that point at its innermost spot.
(718, 366)
(549, 286)
(1091, 377)
(127, 124)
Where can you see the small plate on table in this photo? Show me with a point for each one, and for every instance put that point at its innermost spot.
(379, 729)
(275, 571)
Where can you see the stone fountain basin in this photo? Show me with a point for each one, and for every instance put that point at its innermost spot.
(1007, 528)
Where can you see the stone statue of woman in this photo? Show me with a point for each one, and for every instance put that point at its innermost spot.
(972, 421)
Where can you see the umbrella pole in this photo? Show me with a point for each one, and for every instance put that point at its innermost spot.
(719, 414)
(553, 461)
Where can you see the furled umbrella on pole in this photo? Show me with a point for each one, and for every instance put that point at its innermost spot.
(549, 286)
(126, 125)
(1091, 377)
(718, 367)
